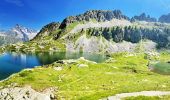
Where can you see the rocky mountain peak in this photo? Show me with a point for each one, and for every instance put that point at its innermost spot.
(47, 29)
(165, 18)
(23, 29)
(22, 32)
(50, 27)
(143, 17)
(98, 15)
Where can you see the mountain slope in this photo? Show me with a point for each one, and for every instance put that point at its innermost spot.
(103, 31)
(98, 15)
(47, 30)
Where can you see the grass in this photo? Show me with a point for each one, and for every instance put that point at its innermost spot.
(37, 46)
(44, 43)
(122, 73)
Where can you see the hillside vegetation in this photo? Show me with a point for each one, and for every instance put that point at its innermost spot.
(82, 79)
(131, 48)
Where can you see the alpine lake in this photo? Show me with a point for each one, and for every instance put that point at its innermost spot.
(11, 62)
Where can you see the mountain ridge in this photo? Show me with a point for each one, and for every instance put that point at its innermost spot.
(143, 17)
(101, 16)
(111, 31)
(17, 34)
(98, 15)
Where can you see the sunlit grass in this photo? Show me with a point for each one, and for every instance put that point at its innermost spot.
(123, 73)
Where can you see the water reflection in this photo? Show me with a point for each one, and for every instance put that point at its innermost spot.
(14, 62)
(161, 68)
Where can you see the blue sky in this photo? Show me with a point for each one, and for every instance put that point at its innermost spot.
(37, 13)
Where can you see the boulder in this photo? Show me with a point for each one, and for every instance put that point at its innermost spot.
(24, 93)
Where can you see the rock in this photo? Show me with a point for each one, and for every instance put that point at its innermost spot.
(82, 58)
(58, 68)
(23, 93)
(98, 15)
(60, 61)
(46, 30)
(52, 96)
(165, 18)
(71, 61)
(115, 67)
(143, 17)
(82, 65)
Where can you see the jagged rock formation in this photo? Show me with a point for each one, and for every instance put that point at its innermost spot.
(98, 15)
(98, 30)
(113, 22)
(132, 34)
(143, 17)
(48, 29)
(165, 18)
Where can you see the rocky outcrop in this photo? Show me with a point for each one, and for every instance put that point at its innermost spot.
(99, 44)
(112, 25)
(108, 24)
(98, 15)
(48, 29)
(165, 18)
(25, 93)
(143, 17)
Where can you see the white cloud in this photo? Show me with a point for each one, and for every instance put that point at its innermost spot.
(16, 2)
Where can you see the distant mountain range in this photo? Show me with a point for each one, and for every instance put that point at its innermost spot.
(165, 18)
(17, 34)
(144, 17)
(99, 31)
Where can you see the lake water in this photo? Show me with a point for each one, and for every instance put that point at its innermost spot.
(161, 68)
(13, 62)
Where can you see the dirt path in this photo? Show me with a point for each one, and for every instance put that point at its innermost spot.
(135, 94)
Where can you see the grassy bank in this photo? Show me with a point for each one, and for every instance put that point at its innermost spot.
(35, 46)
(81, 79)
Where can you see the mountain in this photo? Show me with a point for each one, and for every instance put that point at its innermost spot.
(165, 18)
(17, 34)
(47, 30)
(98, 15)
(103, 31)
(143, 17)
(25, 34)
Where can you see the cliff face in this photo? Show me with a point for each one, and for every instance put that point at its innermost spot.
(98, 15)
(108, 31)
(143, 17)
(165, 18)
(47, 30)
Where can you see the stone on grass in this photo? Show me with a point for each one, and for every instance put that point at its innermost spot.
(82, 65)
(58, 68)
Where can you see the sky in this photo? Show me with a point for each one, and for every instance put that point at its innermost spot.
(37, 13)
